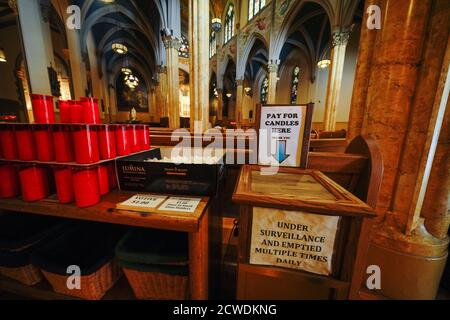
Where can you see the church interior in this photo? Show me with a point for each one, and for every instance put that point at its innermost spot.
(358, 209)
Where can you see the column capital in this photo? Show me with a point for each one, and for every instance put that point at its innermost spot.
(239, 82)
(219, 90)
(171, 42)
(340, 38)
(272, 67)
(161, 68)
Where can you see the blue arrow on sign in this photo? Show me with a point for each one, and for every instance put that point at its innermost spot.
(281, 155)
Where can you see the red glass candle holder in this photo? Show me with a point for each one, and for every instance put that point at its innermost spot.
(103, 179)
(26, 148)
(64, 184)
(76, 112)
(62, 140)
(43, 138)
(144, 135)
(86, 187)
(85, 140)
(43, 111)
(123, 146)
(90, 110)
(8, 141)
(107, 141)
(133, 138)
(9, 181)
(64, 111)
(34, 182)
(112, 178)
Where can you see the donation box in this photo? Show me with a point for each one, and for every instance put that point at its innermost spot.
(299, 232)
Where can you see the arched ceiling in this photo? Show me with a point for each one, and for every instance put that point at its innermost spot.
(257, 59)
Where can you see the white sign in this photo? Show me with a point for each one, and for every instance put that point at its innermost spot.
(180, 204)
(142, 201)
(293, 239)
(281, 135)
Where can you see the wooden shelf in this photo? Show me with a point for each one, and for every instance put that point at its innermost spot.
(43, 291)
(106, 211)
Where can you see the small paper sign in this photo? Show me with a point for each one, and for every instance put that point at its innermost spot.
(180, 204)
(142, 201)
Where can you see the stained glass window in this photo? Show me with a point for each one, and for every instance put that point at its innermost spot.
(229, 24)
(264, 90)
(212, 44)
(183, 51)
(294, 85)
(255, 6)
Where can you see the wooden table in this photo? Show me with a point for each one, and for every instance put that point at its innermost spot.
(196, 224)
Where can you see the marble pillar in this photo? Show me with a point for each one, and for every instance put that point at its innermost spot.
(219, 103)
(161, 93)
(272, 68)
(239, 101)
(339, 45)
(199, 63)
(172, 44)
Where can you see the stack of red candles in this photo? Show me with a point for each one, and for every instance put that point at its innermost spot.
(80, 138)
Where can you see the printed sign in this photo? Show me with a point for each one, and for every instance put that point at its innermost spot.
(180, 204)
(284, 134)
(293, 239)
(141, 202)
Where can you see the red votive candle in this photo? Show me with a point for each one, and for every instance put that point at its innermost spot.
(112, 179)
(123, 147)
(43, 139)
(107, 141)
(62, 140)
(43, 111)
(144, 135)
(64, 111)
(103, 180)
(34, 182)
(85, 186)
(9, 181)
(76, 112)
(90, 110)
(133, 138)
(8, 141)
(85, 140)
(25, 142)
(64, 184)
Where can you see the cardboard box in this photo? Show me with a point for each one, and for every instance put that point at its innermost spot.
(157, 170)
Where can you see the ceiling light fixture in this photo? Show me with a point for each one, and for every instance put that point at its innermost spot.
(126, 71)
(322, 64)
(228, 95)
(216, 24)
(119, 48)
(131, 81)
(2, 55)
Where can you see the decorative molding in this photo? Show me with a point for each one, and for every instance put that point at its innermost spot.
(340, 38)
(171, 42)
(162, 69)
(239, 82)
(272, 67)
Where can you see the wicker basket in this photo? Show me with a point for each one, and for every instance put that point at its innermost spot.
(29, 274)
(93, 286)
(157, 286)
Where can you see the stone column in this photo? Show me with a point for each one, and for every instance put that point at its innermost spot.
(239, 101)
(38, 55)
(362, 76)
(339, 45)
(199, 62)
(161, 93)
(172, 44)
(403, 114)
(272, 68)
(219, 103)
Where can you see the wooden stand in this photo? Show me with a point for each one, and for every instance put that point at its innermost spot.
(196, 224)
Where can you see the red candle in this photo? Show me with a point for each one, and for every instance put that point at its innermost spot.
(64, 184)
(112, 178)
(122, 142)
(144, 135)
(107, 141)
(133, 137)
(85, 139)
(64, 111)
(103, 179)
(25, 142)
(86, 188)
(43, 139)
(34, 183)
(76, 112)
(62, 139)
(9, 181)
(43, 111)
(90, 110)
(8, 141)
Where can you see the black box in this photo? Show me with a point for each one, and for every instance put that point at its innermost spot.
(140, 173)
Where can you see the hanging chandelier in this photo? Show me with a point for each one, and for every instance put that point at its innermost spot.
(131, 81)
(2, 55)
(119, 48)
(126, 71)
(322, 64)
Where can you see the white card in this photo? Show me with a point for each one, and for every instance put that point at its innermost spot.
(180, 204)
(144, 201)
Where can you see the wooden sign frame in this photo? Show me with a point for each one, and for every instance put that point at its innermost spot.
(305, 132)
